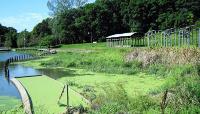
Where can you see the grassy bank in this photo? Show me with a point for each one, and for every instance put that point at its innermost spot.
(133, 80)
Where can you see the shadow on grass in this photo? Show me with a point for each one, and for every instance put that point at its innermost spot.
(60, 72)
(62, 105)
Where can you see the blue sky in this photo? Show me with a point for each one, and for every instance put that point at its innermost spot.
(23, 14)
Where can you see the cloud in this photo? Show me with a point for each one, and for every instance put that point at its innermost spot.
(24, 21)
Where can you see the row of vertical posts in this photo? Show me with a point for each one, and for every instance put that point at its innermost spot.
(114, 42)
(125, 42)
(173, 37)
(17, 59)
(14, 59)
(152, 38)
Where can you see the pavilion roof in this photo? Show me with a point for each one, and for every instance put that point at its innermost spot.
(122, 35)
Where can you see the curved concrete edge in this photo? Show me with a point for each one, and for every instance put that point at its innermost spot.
(24, 96)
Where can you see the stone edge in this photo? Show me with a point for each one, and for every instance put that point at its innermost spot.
(24, 96)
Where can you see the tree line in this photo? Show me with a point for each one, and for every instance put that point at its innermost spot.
(76, 21)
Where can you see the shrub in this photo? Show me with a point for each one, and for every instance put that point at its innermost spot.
(158, 69)
(115, 100)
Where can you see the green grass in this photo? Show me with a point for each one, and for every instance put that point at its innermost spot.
(45, 93)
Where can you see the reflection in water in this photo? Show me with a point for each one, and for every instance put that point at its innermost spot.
(57, 73)
(6, 88)
(21, 71)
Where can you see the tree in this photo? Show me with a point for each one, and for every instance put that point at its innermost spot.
(11, 38)
(63, 26)
(74, 22)
(47, 41)
(59, 6)
(3, 31)
(41, 30)
(24, 39)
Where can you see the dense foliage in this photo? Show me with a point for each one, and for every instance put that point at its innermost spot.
(77, 22)
(8, 36)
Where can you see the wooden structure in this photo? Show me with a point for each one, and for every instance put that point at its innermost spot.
(187, 36)
(125, 40)
(4, 49)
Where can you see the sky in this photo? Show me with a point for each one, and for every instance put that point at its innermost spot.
(23, 14)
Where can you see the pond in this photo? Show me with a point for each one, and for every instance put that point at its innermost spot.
(9, 96)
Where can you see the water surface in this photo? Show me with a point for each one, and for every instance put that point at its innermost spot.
(9, 95)
(8, 92)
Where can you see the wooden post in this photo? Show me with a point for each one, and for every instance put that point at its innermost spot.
(161, 39)
(188, 38)
(199, 38)
(143, 41)
(170, 39)
(122, 42)
(179, 40)
(127, 42)
(136, 41)
(155, 38)
(107, 42)
(132, 41)
(118, 42)
(67, 87)
(110, 43)
(164, 38)
(183, 36)
(174, 37)
(148, 39)
(192, 39)
(113, 42)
